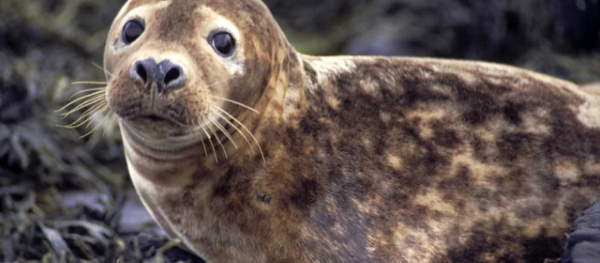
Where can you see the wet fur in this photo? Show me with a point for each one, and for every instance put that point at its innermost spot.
(373, 159)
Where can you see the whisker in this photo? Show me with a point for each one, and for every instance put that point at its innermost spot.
(92, 102)
(102, 69)
(82, 98)
(91, 116)
(224, 131)
(85, 98)
(236, 103)
(212, 145)
(87, 90)
(220, 115)
(90, 132)
(89, 83)
(204, 147)
(85, 116)
(243, 127)
(219, 142)
(95, 128)
(84, 123)
(196, 124)
(87, 103)
(89, 108)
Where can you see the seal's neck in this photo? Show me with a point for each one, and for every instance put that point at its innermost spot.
(165, 163)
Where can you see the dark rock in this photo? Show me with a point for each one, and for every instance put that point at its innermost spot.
(584, 240)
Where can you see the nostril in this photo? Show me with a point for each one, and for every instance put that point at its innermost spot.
(172, 75)
(144, 70)
(141, 71)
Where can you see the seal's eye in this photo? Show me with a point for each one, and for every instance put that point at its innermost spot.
(132, 30)
(223, 42)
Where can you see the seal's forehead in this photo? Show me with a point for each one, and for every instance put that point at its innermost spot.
(226, 5)
(250, 21)
(174, 17)
(174, 14)
(133, 4)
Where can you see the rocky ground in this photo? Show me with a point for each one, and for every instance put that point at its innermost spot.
(63, 197)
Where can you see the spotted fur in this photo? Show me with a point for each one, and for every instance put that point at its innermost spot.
(366, 159)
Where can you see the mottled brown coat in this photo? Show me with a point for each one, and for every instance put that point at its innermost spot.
(366, 159)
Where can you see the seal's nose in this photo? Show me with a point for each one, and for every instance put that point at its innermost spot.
(171, 75)
(145, 70)
(166, 75)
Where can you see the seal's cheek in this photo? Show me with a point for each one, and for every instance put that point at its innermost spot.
(194, 104)
(123, 96)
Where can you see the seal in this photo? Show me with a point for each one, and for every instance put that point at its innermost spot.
(249, 151)
(593, 88)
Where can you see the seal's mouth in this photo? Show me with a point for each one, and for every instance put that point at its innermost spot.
(148, 110)
(153, 118)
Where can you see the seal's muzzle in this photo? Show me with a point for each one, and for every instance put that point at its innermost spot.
(166, 75)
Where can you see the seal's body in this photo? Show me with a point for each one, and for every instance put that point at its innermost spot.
(251, 152)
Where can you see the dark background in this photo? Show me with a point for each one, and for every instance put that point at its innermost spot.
(62, 196)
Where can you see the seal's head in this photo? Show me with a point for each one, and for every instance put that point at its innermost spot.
(173, 64)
